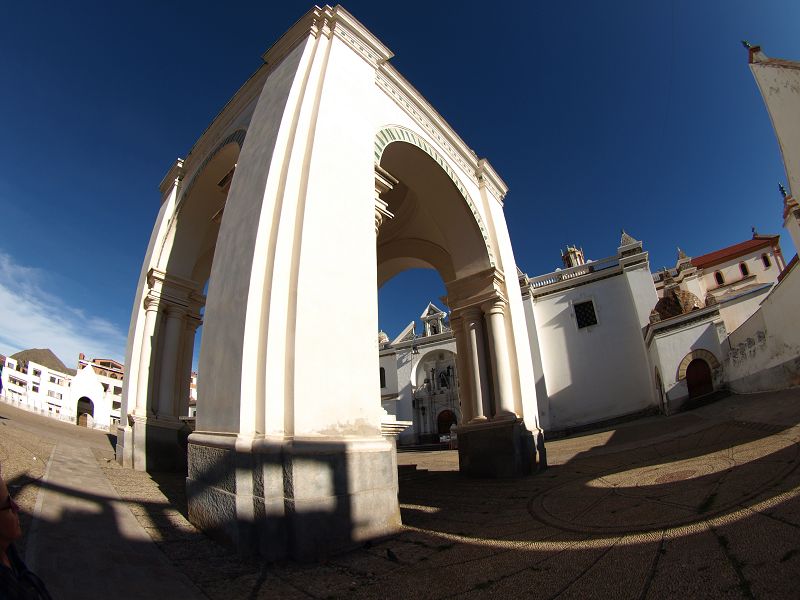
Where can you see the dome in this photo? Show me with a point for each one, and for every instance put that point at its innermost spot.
(382, 337)
(675, 302)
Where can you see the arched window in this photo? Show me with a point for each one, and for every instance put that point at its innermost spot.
(743, 268)
(766, 261)
(383, 377)
(719, 278)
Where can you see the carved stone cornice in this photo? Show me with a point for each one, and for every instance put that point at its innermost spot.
(167, 289)
(488, 176)
(412, 102)
(475, 290)
(172, 178)
(348, 29)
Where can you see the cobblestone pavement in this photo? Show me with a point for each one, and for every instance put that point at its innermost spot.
(701, 504)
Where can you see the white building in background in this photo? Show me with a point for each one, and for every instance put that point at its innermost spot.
(609, 339)
(586, 325)
(37, 381)
(97, 392)
(419, 379)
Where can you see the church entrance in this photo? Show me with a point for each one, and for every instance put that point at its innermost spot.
(698, 378)
(85, 412)
(445, 419)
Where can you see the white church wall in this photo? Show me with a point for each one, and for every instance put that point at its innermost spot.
(237, 348)
(738, 310)
(765, 350)
(732, 274)
(668, 348)
(597, 372)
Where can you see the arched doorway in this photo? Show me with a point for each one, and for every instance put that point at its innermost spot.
(445, 419)
(698, 378)
(85, 412)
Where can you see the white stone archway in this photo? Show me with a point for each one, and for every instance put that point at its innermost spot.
(287, 457)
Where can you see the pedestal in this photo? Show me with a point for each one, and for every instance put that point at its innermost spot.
(302, 499)
(501, 448)
(158, 444)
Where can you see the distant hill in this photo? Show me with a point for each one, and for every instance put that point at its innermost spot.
(44, 357)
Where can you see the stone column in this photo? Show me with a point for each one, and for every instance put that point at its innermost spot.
(477, 364)
(464, 389)
(498, 344)
(173, 330)
(192, 322)
(148, 344)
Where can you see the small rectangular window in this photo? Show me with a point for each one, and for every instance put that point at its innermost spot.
(743, 268)
(584, 314)
(765, 260)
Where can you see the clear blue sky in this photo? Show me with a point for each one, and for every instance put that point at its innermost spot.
(598, 115)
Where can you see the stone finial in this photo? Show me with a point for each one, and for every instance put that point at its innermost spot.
(681, 254)
(784, 193)
(627, 239)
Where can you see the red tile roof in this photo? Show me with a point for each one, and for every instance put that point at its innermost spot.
(720, 256)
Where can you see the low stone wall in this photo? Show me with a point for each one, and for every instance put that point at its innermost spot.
(22, 405)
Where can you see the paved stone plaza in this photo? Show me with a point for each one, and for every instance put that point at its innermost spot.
(701, 504)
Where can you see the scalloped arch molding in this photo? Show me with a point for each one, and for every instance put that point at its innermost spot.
(395, 133)
(694, 354)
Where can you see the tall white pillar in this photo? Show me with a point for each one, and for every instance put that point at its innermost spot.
(148, 343)
(791, 219)
(498, 344)
(192, 322)
(173, 331)
(477, 364)
(457, 323)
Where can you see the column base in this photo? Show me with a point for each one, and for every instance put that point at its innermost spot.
(300, 499)
(496, 449)
(124, 446)
(158, 444)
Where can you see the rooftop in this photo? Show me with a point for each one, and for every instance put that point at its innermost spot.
(719, 256)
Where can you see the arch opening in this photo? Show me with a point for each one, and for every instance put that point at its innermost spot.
(698, 378)
(432, 224)
(85, 412)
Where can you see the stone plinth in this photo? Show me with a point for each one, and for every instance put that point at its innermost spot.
(502, 448)
(158, 444)
(300, 499)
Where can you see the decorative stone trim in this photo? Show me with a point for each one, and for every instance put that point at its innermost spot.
(395, 133)
(235, 137)
(410, 107)
(694, 354)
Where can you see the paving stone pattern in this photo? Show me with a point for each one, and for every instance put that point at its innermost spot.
(702, 504)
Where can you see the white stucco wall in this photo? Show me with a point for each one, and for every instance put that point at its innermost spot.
(779, 82)
(669, 348)
(598, 372)
(731, 272)
(738, 310)
(765, 349)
